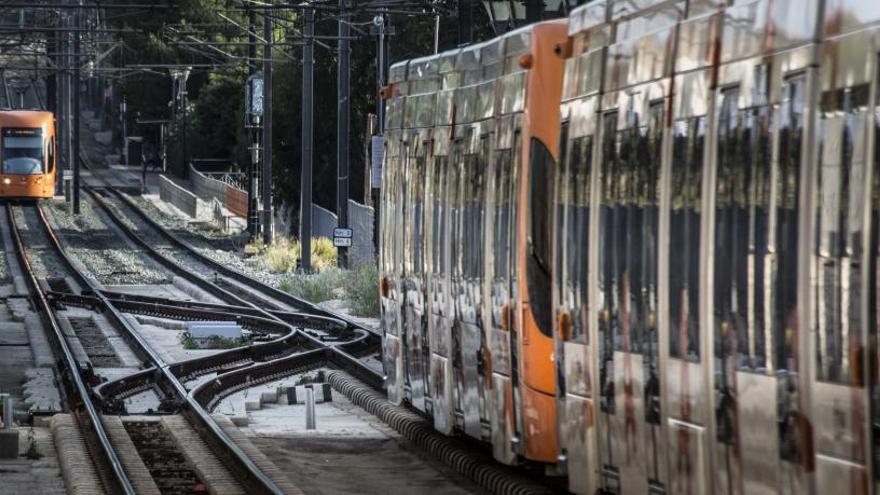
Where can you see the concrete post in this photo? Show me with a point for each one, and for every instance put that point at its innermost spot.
(310, 408)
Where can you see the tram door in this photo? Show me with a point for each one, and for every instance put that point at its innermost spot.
(440, 325)
(501, 211)
(761, 442)
(392, 249)
(841, 258)
(415, 327)
(631, 438)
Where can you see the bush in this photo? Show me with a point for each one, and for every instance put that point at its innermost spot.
(362, 291)
(315, 287)
(283, 255)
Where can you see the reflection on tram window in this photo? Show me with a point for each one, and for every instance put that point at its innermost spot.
(684, 241)
(574, 203)
(414, 228)
(628, 261)
(502, 191)
(438, 202)
(839, 213)
(743, 254)
(784, 297)
(472, 216)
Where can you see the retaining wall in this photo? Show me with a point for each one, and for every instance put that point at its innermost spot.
(184, 200)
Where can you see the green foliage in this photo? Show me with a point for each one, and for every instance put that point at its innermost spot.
(362, 291)
(316, 287)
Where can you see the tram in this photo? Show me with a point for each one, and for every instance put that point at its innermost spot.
(27, 154)
(639, 245)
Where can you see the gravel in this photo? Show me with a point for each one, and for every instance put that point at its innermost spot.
(103, 250)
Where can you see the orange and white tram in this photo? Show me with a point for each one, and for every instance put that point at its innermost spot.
(27, 154)
(640, 245)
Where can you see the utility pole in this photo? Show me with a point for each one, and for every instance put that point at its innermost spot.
(342, 124)
(267, 128)
(253, 219)
(378, 140)
(305, 209)
(76, 113)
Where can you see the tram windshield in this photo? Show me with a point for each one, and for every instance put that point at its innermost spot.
(22, 151)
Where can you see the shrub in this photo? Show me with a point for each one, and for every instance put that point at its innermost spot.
(315, 287)
(283, 255)
(362, 290)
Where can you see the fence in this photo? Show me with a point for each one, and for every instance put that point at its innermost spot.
(206, 187)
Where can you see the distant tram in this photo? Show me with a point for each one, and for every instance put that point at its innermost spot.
(640, 245)
(27, 154)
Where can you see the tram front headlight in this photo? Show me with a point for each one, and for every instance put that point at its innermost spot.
(7, 180)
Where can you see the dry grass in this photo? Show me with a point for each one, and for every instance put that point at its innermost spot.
(283, 255)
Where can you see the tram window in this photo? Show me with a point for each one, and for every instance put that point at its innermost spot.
(742, 250)
(454, 205)
(684, 243)
(472, 215)
(631, 168)
(415, 205)
(438, 213)
(539, 243)
(502, 209)
(574, 241)
(791, 128)
(22, 151)
(839, 212)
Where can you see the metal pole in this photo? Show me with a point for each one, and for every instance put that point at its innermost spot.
(305, 209)
(436, 33)
(253, 219)
(6, 89)
(76, 111)
(185, 132)
(342, 124)
(267, 129)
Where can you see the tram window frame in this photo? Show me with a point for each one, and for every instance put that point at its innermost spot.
(686, 170)
(837, 345)
(539, 242)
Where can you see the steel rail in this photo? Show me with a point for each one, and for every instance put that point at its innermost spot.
(342, 357)
(112, 474)
(213, 434)
(234, 274)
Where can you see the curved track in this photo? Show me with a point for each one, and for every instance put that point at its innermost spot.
(231, 454)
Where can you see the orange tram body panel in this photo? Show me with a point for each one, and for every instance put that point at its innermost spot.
(640, 246)
(27, 154)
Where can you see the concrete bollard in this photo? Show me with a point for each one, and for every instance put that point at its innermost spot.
(9, 434)
(310, 408)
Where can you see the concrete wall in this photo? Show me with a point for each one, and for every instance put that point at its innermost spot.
(360, 221)
(184, 200)
(206, 187)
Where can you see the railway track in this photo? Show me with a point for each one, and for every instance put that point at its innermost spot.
(291, 336)
(83, 402)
